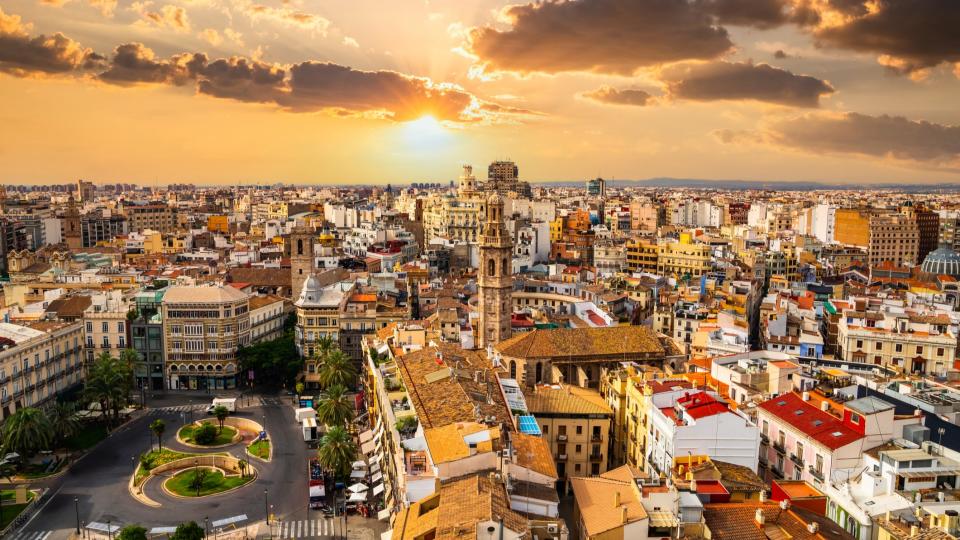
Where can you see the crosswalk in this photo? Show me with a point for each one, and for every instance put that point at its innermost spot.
(255, 401)
(31, 535)
(303, 528)
(158, 411)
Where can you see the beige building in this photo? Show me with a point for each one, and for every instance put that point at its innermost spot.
(906, 342)
(154, 216)
(894, 238)
(318, 316)
(203, 327)
(105, 327)
(37, 361)
(267, 315)
(576, 422)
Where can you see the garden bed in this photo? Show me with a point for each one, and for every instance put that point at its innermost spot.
(224, 436)
(10, 510)
(182, 484)
(260, 449)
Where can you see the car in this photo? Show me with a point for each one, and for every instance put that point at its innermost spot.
(210, 409)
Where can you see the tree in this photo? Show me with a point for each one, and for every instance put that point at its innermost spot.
(205, 433)
(188, 531)
(324, 346)
(337, 451)
(63, 420)
(108, 383)
(221, 413)
(242, 464)
(274, 363)
(27, 431)
(199, 475)
(132, 532)
(336, 408)
(337, 369)
(158, 426)
(300, 388)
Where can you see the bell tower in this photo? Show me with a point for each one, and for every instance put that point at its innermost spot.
(70, 224)
(495, 277)
(301, 257)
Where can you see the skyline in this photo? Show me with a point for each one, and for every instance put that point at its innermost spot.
(227, 92)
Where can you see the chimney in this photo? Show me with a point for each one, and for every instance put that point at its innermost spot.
(914, 531)
(616, 498)
(813, 527)
(763, 496)
(806, 396)
(758, 517)
(824, 405)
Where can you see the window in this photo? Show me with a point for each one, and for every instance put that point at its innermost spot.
(123, 342)
(89, 326)
(766, 427)
(211, 329)
(898, 347)
(879, 346)
(105, 326)
(579, 430)
(578, 448)
(859, 343)
(919, 349)
(800, 450)
(782, 439)
(120, 327)
(562, 430)
(940, 351)
(106, 342)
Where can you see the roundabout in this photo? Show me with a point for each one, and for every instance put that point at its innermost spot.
(207, 435)
(204, 481)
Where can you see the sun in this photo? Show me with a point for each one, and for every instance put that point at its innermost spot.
(425, 131)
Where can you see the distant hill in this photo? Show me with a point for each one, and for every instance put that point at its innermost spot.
(788, 185)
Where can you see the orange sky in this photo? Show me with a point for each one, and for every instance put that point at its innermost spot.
(218, 91)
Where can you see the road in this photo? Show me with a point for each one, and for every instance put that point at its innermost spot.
(98, 481)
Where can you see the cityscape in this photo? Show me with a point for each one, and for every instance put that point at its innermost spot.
(483, 270)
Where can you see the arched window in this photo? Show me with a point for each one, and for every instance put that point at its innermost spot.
(491, 267)
(299, 246)
(513, 369)
(539, 372)
(505, 271)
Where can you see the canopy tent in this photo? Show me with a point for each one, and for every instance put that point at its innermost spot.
(359, 464)
(317, 491)
(359, 487)
(357, 497)
(375, 467)
(358, 474)
(376, 477)
(384, 514)
(366, 436)
(378, 489)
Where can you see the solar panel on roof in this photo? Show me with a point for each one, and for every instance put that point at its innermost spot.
(528, 425)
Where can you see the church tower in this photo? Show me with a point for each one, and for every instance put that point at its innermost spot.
(467, 185)
(495, 277)
(70, 224)
(301, 257)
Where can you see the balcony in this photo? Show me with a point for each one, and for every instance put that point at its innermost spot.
(777, 473)
(763, 461)
(596, 457)
(797, 459)
(596, 437)
(562, 457)
(818, 474)
(778, 446)
(764, 439)
(562, 438)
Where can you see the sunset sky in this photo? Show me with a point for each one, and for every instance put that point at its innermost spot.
(364, 91)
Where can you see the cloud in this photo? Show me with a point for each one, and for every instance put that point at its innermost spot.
(169, 16)
(761, 14)
(604, 36)
(134, 63)
(243, 79)
(211, 36)
(743, 81)
(892, 137)
(234, 36)
(288, 17)
(615, 96)
(909, 35)
(350, 42)
(22, 55)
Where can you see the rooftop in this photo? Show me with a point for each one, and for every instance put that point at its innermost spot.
(569, 343)
(203, 295)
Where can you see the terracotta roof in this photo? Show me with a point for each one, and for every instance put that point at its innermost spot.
(274, 277)
(595, 498)
(262, 300)
(566, 399)
(811, 421)
(69, 306)
(533, 453)
(737, 521)
(447, 443)
(581, 342)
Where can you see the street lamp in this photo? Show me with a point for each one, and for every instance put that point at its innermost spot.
(266, 507)
(76, 505)
(206, 531)
(109, 531)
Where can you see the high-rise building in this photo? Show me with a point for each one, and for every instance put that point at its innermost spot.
(503, 177)
(597, 187)
(928, 229)
(893, 238)
(86, 191)
(495, 277)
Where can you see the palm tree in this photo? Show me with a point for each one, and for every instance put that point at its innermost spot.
(336, 408)
(158, 426)
(337, 451)
(63, 420)
(108, 383)
(337, 369)
(221, 413)
(325, 346)
(242, 464)
(27, 431)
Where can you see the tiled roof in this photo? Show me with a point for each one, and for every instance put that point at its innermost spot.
(262, 300)
(737, 521)
(595, 498)
(567, 399)
(533, 453)
(811, 421)
(452, 399)
(629, 341)
(202, 295)
(69, 306)
(446, 443)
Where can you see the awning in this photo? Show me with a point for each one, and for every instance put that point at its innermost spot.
(227, 521)
(941, 472)
(358, 474)
(663, 519)
(375, 467)
(378, 458)
(366, 436)
(367, 447)
(376, 477)
(382, 515)
(317, 491)
(102, 527)
(359, 487)
(378, 489)
(359, 464)
(357, 497)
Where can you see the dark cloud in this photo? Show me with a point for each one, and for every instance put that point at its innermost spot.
(780, 54)
(616, 96)
(134, 63)
(743, 81)
(606, 36)
(243, 80)
(884, 136)
(912, 35)
(22, 55)
(756, 13)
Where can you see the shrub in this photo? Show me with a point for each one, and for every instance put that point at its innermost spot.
(205, 434)
(132, 532)
(188, 531)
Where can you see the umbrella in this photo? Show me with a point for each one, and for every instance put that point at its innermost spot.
(357, 474)
(358, 487)
(357, 497)
(359, 464)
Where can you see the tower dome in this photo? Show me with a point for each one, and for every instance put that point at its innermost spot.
(942, 260)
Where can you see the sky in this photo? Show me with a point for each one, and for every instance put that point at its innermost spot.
(364, 91)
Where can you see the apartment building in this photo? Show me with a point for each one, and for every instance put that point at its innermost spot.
(105, 324)
(38, 360)
(268, 312)
(318, 311)
(641, 255)
(908, 342)
(683, 257)
(893, 238)
(203, 326)
(154, 216)
(576, 422)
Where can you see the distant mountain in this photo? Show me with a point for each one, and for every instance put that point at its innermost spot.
(789, 185)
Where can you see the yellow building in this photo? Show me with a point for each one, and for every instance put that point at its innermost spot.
(642, 255)
(852, 227)
(556, 229)
(683, 257)
(218, 224)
